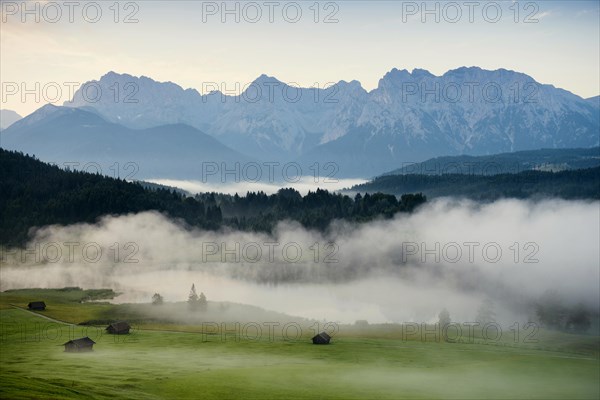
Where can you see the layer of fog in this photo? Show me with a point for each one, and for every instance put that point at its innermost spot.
(383, 271)
(241, 187)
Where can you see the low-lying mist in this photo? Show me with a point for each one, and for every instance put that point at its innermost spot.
(449, 254)
(302, 184)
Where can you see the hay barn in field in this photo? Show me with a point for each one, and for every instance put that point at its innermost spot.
(37, 306)
(118, 328)
(321, 338)
(79, 345)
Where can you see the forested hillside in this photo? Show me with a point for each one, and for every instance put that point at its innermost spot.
(571, 184)
(552, 160)
(35, 194)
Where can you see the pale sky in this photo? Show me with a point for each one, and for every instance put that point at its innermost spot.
(186, 42)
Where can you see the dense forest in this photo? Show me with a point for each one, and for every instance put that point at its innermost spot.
(571, 184)
(35, 194)
(504, 163)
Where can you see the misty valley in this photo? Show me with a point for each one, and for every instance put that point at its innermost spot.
(397, 283)
(299, 200)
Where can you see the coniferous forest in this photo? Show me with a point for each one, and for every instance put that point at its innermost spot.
(576, 184)
(37, 194)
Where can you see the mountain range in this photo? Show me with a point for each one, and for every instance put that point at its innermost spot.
(409, 117)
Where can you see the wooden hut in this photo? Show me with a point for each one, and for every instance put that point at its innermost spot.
(321, 338)
(118, 328)
(37, 306)
(79, 345)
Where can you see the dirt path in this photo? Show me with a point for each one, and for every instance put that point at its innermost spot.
(42, 316)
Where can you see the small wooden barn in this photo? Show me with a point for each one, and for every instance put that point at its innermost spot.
(118, 328)
(321, 338)
(37, 306)
(79, 345)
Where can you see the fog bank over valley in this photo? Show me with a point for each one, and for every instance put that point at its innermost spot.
(450, 254)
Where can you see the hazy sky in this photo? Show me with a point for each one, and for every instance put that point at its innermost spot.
(188, 43)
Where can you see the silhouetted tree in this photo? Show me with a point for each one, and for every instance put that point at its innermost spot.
(202, 303)
(550, 310)
(193, 298)
(444, 318)
(157, 299)
(579, 319)
(486, 313)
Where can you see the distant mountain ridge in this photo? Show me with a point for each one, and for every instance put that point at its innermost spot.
(7, 118)
(410, 116)
(594, 100)
(79, 137)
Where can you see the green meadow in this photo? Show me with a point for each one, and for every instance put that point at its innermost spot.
(168, 359)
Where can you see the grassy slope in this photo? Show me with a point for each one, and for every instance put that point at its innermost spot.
(72, 306)
(368, 364)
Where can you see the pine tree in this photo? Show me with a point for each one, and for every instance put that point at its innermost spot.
(486, 313)
(444, 318)
(202, 303)
(157, 299)
(579, 320)
(193, 298)
(444, 321)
